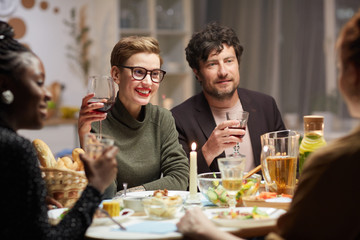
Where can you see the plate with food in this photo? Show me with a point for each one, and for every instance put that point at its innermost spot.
(182, 194)
(268, 199)
(102, 219)
(56, 215)
(135, 200)
(245, 217)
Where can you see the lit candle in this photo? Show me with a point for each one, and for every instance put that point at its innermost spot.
(193, 170)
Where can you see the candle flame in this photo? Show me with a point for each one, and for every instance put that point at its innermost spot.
(193, 146)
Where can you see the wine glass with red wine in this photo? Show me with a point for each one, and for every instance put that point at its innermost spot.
(242, 117)
(104, 89)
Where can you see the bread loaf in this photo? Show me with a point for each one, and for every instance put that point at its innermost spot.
(69, 163)
(76, 158)
(60, 164)
(44, 153)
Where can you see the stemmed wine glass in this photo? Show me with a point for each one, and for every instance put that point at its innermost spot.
(232, 169)
(104, 89)
(242, 117)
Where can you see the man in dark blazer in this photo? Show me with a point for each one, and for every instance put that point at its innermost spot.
(214, 55)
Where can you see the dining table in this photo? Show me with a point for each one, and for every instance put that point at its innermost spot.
(140, 226)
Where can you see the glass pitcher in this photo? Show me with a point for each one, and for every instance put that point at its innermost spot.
(279, 157)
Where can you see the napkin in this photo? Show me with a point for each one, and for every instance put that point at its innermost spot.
(207, 203)
(155, 227)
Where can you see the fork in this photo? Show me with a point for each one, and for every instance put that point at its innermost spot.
(114, 221)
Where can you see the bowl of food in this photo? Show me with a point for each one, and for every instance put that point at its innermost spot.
(250, 185)
(134, 203)
(162, 207)
(210, 185)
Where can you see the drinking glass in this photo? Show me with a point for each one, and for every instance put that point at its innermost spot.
(242, 117)
(232, 169)
(94, 144)
(104, 89)
(279, 156)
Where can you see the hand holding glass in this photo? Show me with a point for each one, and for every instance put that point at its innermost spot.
(95, 144)
(232, 169)
(242, 117)
(104, 89)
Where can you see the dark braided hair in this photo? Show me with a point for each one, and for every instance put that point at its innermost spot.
(11, 64)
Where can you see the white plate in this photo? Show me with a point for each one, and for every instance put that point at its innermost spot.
(107, 221)
(54, 215)
(111, 232)
(279, 200)
(273, 213)
(182, 194)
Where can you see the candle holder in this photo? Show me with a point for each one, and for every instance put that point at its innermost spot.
(193, 200)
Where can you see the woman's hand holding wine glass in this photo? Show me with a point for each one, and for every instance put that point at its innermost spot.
(99, 100)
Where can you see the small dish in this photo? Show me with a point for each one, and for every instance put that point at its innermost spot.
(134, 203)
(123, 216)
(56, 215)
(160, 208)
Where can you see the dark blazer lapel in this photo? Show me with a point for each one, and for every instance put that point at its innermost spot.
(204, 116)
(248, 106)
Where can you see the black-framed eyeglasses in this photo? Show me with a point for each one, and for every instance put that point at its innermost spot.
(139, 73)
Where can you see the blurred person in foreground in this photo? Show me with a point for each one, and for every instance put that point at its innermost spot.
(214, 56)
(333, 169)
(150, 156)
(23, 105)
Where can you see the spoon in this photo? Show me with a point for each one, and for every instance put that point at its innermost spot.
(125, 188)
(113, 220)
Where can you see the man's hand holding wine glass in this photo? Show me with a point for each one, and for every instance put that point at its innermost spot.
(222, 137)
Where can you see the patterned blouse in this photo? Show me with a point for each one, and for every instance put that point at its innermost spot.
(23, 192)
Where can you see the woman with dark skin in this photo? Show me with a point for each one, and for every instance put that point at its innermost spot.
(23, 105)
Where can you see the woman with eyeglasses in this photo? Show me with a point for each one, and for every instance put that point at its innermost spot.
(150, 156)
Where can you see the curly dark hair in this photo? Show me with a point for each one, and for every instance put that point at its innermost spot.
(212, 37)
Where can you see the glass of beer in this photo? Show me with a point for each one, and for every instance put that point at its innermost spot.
(279, 158)
(232, 169)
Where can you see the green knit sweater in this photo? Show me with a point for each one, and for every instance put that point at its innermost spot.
(149, 151)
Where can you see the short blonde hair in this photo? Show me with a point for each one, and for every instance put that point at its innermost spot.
(129, 46)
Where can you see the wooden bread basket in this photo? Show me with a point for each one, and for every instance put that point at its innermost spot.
(64, 185)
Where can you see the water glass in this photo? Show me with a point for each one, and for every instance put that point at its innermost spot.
(95, 144)
(232, 170)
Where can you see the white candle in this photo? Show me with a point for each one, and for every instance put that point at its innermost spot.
(193, 170)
